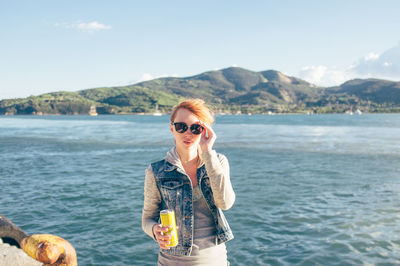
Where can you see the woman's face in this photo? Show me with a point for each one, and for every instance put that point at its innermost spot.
(186, 140)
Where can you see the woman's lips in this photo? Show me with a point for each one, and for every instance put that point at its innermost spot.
(187, 141)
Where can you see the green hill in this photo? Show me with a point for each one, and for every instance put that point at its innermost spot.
(229, 90)
(374, 90)
(372, 95)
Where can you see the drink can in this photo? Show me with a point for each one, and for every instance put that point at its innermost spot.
(168, 219)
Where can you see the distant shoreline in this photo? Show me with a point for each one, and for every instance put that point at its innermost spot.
(217, 114)
(232, 90)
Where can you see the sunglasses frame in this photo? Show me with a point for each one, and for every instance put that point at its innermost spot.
(186, 127)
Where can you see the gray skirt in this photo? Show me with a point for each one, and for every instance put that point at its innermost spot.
(212, 256)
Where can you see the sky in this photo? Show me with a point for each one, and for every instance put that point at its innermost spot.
(55, 45)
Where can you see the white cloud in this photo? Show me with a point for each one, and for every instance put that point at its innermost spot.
(92, 26)
(371, 57)
(85, 27)
(148, 76)
(386, 65)
(323, 75)
(372, 65)
(145, 77)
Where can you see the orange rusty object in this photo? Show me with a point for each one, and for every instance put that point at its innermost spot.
(50, 249)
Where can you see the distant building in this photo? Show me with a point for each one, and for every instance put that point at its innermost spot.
(93, 111)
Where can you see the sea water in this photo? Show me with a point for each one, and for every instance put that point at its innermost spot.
(310, 190)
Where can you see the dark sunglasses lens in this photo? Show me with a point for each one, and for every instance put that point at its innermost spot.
(196, 129)
(180, 127)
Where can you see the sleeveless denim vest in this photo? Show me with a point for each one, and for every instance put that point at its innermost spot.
(176, 192)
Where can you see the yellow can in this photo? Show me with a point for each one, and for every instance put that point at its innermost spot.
(168, 219)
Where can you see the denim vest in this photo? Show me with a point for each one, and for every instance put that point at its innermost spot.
(176, 192)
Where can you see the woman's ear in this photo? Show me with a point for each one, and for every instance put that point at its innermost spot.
(171, 127)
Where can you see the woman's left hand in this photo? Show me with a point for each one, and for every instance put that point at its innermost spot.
(208, 138)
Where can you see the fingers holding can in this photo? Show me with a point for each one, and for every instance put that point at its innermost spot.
(163, 238)
(168, 221)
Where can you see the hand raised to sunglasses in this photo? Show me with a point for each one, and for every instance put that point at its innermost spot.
(208, 138)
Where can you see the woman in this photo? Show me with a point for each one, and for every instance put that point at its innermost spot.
(193, 180)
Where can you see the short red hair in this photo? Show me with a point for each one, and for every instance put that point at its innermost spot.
(197, 107)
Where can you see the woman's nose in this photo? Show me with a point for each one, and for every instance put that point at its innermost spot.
(188, 132)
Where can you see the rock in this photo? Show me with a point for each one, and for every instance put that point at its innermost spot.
(13, 256)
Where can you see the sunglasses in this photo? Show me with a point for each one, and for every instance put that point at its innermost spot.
(181, 127)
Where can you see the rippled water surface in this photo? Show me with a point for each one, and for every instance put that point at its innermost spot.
(311, 190)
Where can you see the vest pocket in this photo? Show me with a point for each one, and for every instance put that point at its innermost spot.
(171, 191)
(171, 184)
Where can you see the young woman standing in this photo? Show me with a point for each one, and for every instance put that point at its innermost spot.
(192, 180)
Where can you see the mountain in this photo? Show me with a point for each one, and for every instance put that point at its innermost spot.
(229, 90)
(374, 90)
(237, 86)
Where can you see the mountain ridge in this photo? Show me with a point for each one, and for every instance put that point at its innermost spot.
(228, 90)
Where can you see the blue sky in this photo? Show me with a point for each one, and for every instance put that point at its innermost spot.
(71, 45)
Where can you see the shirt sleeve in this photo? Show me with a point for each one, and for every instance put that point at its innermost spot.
(151, 205)
(217, 167)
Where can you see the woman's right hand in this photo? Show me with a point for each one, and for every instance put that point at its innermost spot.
(162, 239)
